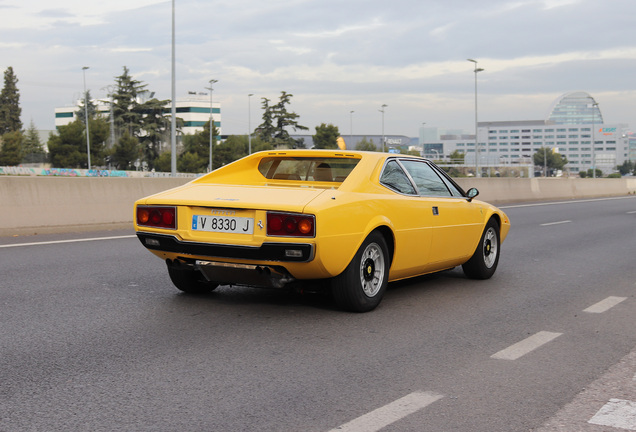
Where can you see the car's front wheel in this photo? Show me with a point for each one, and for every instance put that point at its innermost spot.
(190, 280)
(483, 263)
(361, 286)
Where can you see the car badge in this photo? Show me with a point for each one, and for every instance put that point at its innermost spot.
(260, 224)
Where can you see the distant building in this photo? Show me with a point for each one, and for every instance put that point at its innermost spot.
(573, 123)
(193, 109)
(392, 143)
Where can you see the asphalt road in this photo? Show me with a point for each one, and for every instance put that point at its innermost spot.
(95, 338)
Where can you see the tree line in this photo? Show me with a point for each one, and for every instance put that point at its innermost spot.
(135, 133)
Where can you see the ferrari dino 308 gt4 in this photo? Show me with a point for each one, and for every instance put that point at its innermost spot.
(355, 220)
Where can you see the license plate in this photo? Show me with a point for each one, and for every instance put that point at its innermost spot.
(226, 224)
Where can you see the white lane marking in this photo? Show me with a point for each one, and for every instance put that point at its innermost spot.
(527, 345)
(555, 223)
(605, 305)
(563, 202)
(384, 416)
(631, 212)
(617, 413)
(66, 241)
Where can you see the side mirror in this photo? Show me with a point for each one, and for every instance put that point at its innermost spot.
(472, 193)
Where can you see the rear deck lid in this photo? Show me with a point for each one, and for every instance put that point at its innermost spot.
(281, 198)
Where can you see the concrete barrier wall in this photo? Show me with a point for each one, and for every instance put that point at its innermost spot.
(51, 204)
(31, 205)
(506, 190)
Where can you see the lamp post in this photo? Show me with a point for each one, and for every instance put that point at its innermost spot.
(88, 141)
(173, 105)
(249, 123)
(382, 111)
(476, 70)
(594, 105)
(212, 82)
(351, 127)
(422, 139)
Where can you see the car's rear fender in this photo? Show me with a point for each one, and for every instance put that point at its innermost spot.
(346, 246)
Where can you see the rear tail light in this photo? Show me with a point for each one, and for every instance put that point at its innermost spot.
(157, 216)
(290, 225)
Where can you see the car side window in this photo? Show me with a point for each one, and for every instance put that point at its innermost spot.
(394, 178)
(428, 182)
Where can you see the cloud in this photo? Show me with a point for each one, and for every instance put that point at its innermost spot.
(552, 4)
(129, 50)
(374, 24)
(54, 13)
(333, 56)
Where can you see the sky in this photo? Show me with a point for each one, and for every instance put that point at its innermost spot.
(333, 56)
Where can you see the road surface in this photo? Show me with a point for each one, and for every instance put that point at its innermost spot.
(95, 338)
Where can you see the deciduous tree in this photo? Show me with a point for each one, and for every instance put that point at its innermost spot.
(326, 136)
(11, 148)
(366, 145)
(67, 148)
(553, 161)
(198, 145)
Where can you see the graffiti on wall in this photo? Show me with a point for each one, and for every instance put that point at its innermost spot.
(72, 172)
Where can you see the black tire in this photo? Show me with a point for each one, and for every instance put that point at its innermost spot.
(483, 263)
(190, 280)
(361, 286)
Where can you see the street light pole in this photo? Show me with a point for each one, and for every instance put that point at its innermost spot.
(351, 127)
(422, 139)
(594, 105)
(249, 123)
(476, 70)
(382, 111)
(173, 105)
(212, 81)
(88, 140)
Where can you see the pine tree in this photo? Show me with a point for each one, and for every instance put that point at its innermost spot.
(126, 152)
(32, 148)
(125, 104)
(145, 121)
(92, 109)
(10, 110)
(156, 128)
(276, 120)
(265, 131)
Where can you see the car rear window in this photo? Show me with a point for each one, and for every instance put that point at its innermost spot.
(324, 169)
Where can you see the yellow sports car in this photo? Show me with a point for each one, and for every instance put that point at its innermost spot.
(355, 220)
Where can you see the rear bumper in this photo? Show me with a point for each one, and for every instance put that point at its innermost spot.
(280, 252)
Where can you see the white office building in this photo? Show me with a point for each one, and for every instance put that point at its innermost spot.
(193, 109)
(573, 123)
